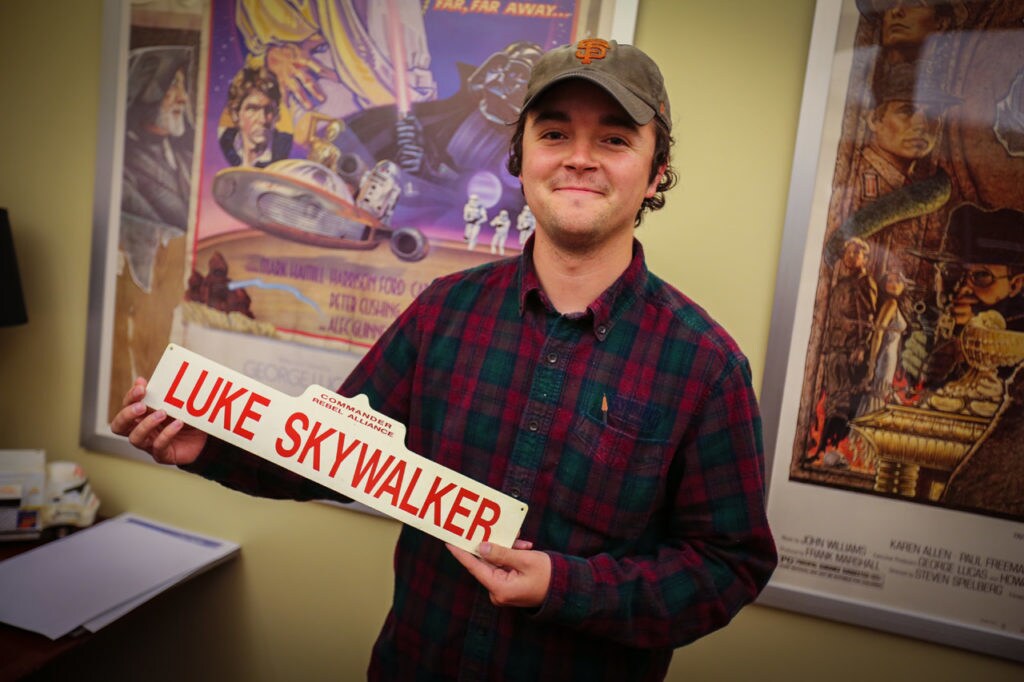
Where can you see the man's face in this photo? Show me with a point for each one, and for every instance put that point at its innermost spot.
(256, 117)
(908, 23)
(981, 287)
(905, 129)
(585, 167)
(170, 119)
(855, 257)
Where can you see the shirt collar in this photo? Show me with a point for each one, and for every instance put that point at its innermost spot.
(265, 157)
(604, 310)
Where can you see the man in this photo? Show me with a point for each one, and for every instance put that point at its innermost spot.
(156, 185)
(908, 26)
(849, 327)
(892, 170)
(157, 174)
(982, 270)
(254, 105)
(575, 380)
(990, 247)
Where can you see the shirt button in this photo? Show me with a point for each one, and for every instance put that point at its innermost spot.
(515, 492)
(602, 330)
(552, 358)
(533, 425)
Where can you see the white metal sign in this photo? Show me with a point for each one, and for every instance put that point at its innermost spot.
(341, 443)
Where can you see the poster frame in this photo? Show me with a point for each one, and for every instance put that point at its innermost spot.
(796, 264)
(94, 432)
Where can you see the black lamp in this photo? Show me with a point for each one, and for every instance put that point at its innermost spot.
(12, 303)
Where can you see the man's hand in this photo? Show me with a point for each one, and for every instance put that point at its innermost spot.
(167, 443)
(297, 73)
(916, 349)
(929, 360)
(513, 577)
(409, 138)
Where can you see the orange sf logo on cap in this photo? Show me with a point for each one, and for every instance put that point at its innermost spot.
(590, 49)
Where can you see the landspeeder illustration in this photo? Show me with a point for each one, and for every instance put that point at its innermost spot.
(305, 201)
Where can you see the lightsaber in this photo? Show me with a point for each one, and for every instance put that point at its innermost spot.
(397, 46)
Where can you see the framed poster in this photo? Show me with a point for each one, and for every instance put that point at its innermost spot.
(277, 180)
(894, 408)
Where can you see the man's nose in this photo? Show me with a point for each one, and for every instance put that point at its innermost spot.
(581, 155)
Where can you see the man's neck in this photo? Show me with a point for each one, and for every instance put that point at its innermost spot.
(572, 280)
(900, 163)
(253, 152)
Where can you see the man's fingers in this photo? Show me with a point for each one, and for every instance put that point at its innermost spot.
(477, 568)
(494, 555)
(142, 435)
(514, 559)
(125, 420)
(136, 393)
(164, 438)
(299, 93)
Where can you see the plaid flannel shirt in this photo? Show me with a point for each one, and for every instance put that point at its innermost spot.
(633, 433)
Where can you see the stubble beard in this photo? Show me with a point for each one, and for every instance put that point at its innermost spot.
(576, 234)
(582, 236)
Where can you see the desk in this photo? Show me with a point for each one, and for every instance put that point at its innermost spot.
(165, 634)
(22, 652)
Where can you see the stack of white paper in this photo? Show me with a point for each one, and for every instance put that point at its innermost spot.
(92, 577)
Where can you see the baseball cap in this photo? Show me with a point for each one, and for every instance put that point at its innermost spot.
(623, 71)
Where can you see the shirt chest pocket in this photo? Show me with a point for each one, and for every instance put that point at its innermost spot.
(609, 481)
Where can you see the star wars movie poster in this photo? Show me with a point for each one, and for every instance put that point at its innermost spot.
(897, 486)
(317, 165)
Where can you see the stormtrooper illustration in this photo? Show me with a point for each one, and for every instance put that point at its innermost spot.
(474, 214)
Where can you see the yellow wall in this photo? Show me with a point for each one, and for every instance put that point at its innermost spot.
(313, 583)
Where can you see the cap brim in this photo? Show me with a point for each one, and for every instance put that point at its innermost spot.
(638, 110)
(934, 256)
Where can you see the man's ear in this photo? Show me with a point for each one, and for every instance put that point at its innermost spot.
(873, 117)
(1016, 284)
(653, 187)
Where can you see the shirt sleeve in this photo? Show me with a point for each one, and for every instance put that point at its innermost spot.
(245, 472)
(386, 373)
(261, 24)
(716, 554)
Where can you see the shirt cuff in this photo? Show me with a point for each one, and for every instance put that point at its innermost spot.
(571, 582)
